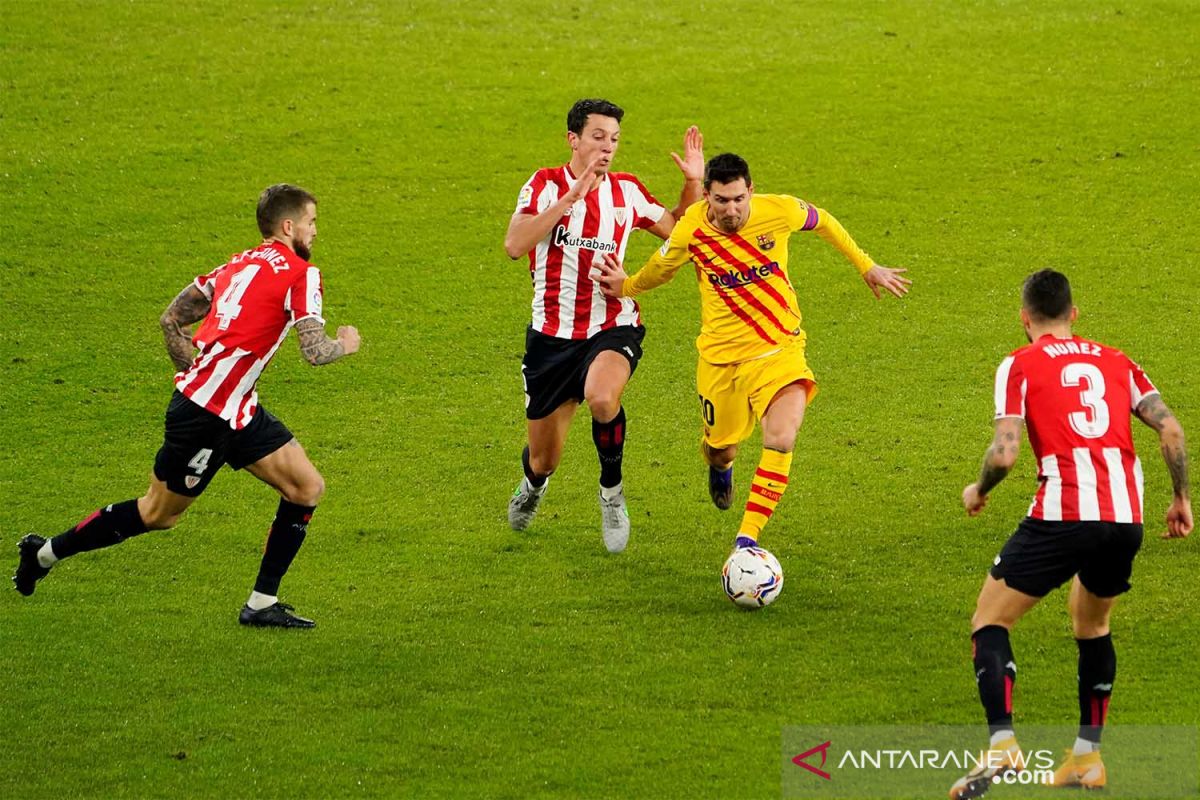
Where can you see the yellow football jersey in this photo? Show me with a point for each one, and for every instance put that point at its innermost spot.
(748, 306)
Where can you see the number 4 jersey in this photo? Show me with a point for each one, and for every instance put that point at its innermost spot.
(256, 298)
(1076, 398)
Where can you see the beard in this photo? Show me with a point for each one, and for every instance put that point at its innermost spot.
(302, 250)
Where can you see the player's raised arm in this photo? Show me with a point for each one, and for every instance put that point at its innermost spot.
(691, 164)
(526, 230)
(1154, 412)
(318, 349)
(190, 305)
(997, 463)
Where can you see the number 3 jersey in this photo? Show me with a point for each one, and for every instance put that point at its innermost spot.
(256, 298)
(1076, 397)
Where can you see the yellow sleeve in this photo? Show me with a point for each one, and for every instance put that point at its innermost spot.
(795, 211)
(829, 229)
(665, 262)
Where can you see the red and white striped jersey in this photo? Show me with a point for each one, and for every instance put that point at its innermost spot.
(1077, 397)
(566, 302)
(256, 298)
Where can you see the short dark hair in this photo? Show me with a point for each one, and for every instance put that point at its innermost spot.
(577, 116)
(726, 168)
(1046, 295)
(280, 202)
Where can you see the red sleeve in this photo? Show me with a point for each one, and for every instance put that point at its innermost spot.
(306, 297)
(1140, 386)
(647, 211)
(527, 200)
(1010, 389)
(208, 281)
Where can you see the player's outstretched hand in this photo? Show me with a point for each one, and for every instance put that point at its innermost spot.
(888, 278)
(972, 500)
(692, 162)
(348, 336)
(610, 275)
(585, 183)
(1179, 519)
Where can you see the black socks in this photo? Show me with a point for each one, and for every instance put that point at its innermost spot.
(104, 528)
(287, 534)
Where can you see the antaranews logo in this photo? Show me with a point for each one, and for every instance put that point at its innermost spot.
(800, 761)
(1039, 763)
(905, 761)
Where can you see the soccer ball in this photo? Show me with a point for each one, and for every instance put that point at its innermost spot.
(752, 577)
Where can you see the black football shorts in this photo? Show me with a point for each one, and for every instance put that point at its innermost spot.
(554, 370)
(196, 442)
(1041, 556)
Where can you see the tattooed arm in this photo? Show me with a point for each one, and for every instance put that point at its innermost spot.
(190, 305)
(1154, 412)
(1000, 458)
(318, 348)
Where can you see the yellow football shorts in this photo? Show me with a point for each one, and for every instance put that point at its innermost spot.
(733, 397)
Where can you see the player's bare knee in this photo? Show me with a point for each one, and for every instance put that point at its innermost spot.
(159, 519)
(604, 404)
(983, 618)
(1090, 630)
(307, 492)
(1089, 626)
(544, 464)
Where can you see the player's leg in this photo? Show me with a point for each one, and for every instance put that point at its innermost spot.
(1097, 671)
(158, 509)
(546, 436)
(186, 462)
(290, 472)
(267, 450)
(1094, 593)
(780, 425)
(779, 388)
(997, 610)
(551, 377)
(606, 379)
(726, 419)
(612, 359)
(1039, 557)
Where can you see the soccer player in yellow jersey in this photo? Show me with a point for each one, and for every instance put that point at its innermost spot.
(752, 365)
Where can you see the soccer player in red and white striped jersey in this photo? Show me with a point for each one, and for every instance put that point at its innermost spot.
(582, 346)
(256, 298)
(1076, 398)
(247, 306)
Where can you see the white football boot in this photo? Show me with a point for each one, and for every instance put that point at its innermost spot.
(615, 516)
(524, 503)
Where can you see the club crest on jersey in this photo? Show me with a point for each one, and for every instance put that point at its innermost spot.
(619, 215)
(766, 241)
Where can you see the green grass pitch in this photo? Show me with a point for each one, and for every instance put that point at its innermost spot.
(971, 142)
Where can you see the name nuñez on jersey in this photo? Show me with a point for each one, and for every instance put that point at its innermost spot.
(1056, 349)
(744, 277)
(563, 238)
